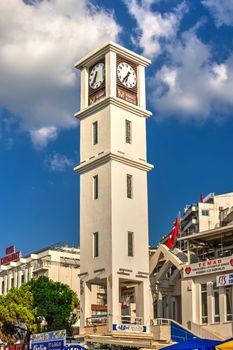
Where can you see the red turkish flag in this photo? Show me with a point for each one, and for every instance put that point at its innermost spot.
(173, 235)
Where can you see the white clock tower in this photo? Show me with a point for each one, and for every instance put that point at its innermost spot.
(113, 185)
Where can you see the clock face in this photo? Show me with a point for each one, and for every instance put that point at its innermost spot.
(97, 75)
(126, 74)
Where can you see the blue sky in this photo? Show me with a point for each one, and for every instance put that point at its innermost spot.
(189, 91)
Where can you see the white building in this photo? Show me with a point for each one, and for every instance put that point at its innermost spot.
(113, 185)
(206, 215)
(195, 287)
(59, 263)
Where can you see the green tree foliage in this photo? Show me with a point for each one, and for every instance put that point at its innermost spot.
(22, 309)
(17, 314)
(55, 302)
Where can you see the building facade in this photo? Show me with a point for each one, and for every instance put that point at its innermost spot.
(211, 212)
(59, 263)
(195, 286)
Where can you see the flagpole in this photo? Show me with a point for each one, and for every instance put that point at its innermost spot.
(179, 225)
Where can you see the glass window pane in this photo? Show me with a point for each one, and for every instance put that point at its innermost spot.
(96, 244)
(130, 243)
(95, 133)
(204, 303)
(95, 187)
(216, 304)
(128, 133)
(129, 186)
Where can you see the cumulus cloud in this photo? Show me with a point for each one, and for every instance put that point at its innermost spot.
(153, 28)
(193, 85)
(39, 43)
(40, 137)
(59, 162)
(222, 11)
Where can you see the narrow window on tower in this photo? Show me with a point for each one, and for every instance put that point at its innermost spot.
(95, 133)
(128, 131)
(95, 185)
(130, 243)
(96, 244)
(129, 186)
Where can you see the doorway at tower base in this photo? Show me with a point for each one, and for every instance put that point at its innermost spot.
(121, 314)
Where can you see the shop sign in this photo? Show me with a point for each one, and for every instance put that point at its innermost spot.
(224, 280)
(54, 340)
(208, 266)
(133, 328)
(11, 255)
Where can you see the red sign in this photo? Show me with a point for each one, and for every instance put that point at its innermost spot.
(12, 255)
(10, 250)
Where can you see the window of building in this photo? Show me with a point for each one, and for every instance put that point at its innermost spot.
(165, 306)
(95, 185)
(96, 244)
(205, 212)
(3, 287)
(22, 279)
(229, 303)
(129, 186)
(12, 282)
(128, 131)
(130, 243)
(216, 304)
(95, 133)
(204, 314)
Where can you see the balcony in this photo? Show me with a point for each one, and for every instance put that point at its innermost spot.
(191, 209)
(41, 266)
(226, 216)
(190, 223)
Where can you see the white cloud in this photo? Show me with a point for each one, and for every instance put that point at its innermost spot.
(39, 44)
(154, 28)
(41, 137)
(221, 10)
(192, 85)
(59, 162)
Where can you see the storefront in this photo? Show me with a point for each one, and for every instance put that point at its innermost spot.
(207, 293)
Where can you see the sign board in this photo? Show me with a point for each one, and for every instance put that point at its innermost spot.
(11, 255)
(224, 280)
(54, 340)
(133, 328)
(208, 266)
(10, 250)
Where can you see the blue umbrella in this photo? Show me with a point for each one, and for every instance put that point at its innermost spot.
(195, 344)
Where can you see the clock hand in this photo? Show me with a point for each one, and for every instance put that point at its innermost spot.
(94, 79)
(126, 77)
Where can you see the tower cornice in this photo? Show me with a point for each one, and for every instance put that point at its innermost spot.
(97, 54)
(95, 107)
(103, 158)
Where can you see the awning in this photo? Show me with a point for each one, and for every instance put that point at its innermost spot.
(195, 344)
(225, 346)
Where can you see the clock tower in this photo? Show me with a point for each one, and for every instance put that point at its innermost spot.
(113, 186)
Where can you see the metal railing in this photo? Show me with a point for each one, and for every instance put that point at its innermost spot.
(127, 319)
(96, 320)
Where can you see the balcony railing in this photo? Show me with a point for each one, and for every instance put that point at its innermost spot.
(96, 320)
